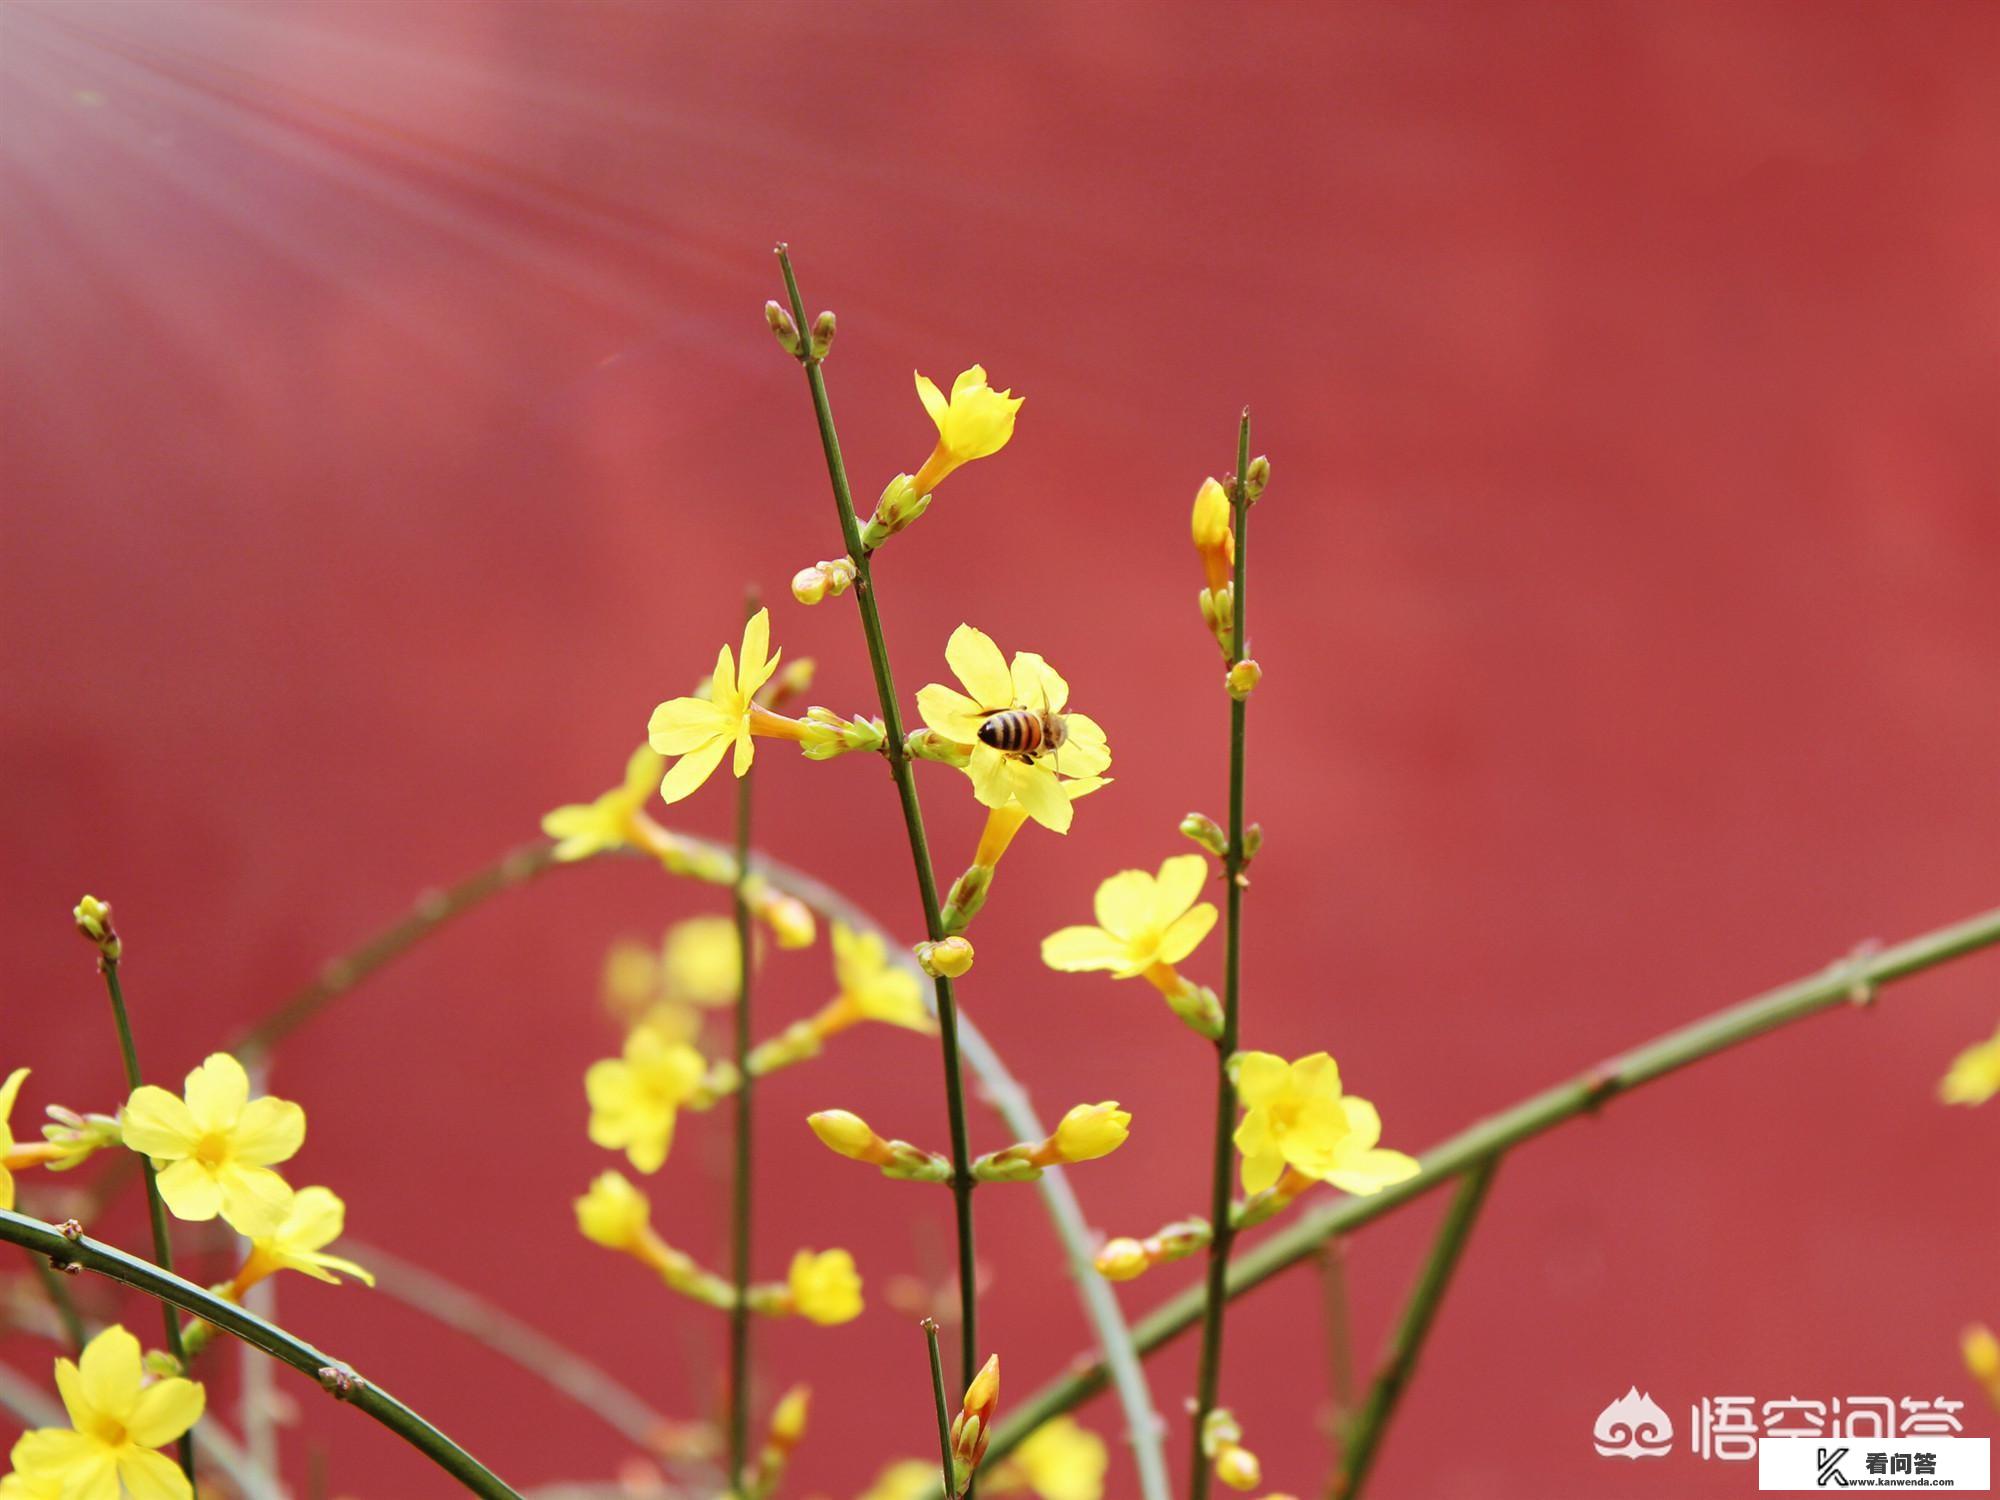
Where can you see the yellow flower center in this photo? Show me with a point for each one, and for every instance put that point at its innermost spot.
(212, 1150)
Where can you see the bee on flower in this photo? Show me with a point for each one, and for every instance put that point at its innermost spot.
(1014, 722)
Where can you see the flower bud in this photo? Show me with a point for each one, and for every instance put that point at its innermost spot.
(788, 1418)
(1253, 841)
(809, 585)
(849, 1135)
(93, 920)
(822, 335)
(76, 1137)
(968, 895)
(834, 575)
(1238, 1468)
(1982, 1354)
(1088, 1132)
(928, 744)
(1122, 1259)
(783, 329)
(899, 506)
(1243, 678)
(613, 1213)
(1015, 1164)
(972, 1428)
(1206, 832)
(790, 919)
(1256, 477)
(945, 960)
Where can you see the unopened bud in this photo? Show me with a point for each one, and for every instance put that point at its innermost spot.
(1256, 477)
(1253, 841)
(945, 960)
(93, 920)
(1243, 678)
(1238, 1468)
(788, 1418)
(822, 335)
(783, 329)
(1122, 1259)
(968, 895)
(849, 1135)
(1206, 832)
(834, 576)
(972, 1428)
(899, 506)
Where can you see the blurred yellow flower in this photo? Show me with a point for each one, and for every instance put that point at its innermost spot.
(118, 1424)
(1982, 1355)
(906, 1479)
(312, 1219)
(634, 1097)
(9, 1092)
(1296, 1117)
(215, 1149)
(975, 422)
(582, 829)
(1975, 1074)
(993, 686)
(701, 730)
(613, 1213)
(825, 1287)
(1060, 1460)
(872, 988)
(1142, 921)
(701, 961)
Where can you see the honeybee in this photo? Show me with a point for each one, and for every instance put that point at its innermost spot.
(1024, 732)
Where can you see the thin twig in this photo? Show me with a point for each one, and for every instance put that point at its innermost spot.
(962, 1181)
(740, 1184)
(1400, 1363)
(338, 1379)
(163, 1245)
(943, 1404)
(1844, 983)
(1208, 1378)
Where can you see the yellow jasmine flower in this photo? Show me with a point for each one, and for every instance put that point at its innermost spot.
(631, 978)
(1060, 1460)
(701, 730)
(905, 1479)
(993, 686)
(582, 829)
(1144, 922)
(701, 961)
(15, 1485)
(312, 1219)
(634, 1097)
(1975, 1074)
(1297, 1117)
(975, 423)
(118, 1424)
(613, 1213)
(215, 1149)
(825, 1287)
(871, 987)
(1214, 537)
(1982, 1355)
(12, 1157)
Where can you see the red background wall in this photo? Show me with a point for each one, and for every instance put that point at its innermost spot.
(390, 424)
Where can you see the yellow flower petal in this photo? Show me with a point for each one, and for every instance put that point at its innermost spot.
(191, 1191)
(978, 664)
(163, 1411)
(933, 399)
(268, 1131)
(217, 1091)
(1035, 788)
(111, 1372)
(158, 1124)
(150, 1475)
(683, 724)
(950, 713)
(1371, 1171)
(1364, 1124)
(692, 769)
(1077, 950)
(1178, 887)
(1185, 935)
(1261, 1077)
(1124, 902)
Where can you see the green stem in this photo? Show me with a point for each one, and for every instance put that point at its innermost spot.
(1208, 1378)
(364, 1395)
(739, 1237)
(57, 1291)
(913, 823)
(1400, 1363)
(163, 1245)
(1339, 1338)
(943, 1405)
(1849, 981)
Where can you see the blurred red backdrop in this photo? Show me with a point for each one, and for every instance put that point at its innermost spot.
(390, 423)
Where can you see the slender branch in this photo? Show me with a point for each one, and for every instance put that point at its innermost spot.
(739, 1235)
(1339, 1338)
(57, 1291)
(585, 1383)
(913, 823)
(1372, 1423)
(163, 1245)
(1208, 1378)
(338, 1379)
(1855, 980)
(943, 1405)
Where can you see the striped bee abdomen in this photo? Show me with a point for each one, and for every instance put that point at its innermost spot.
(1014, 732)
